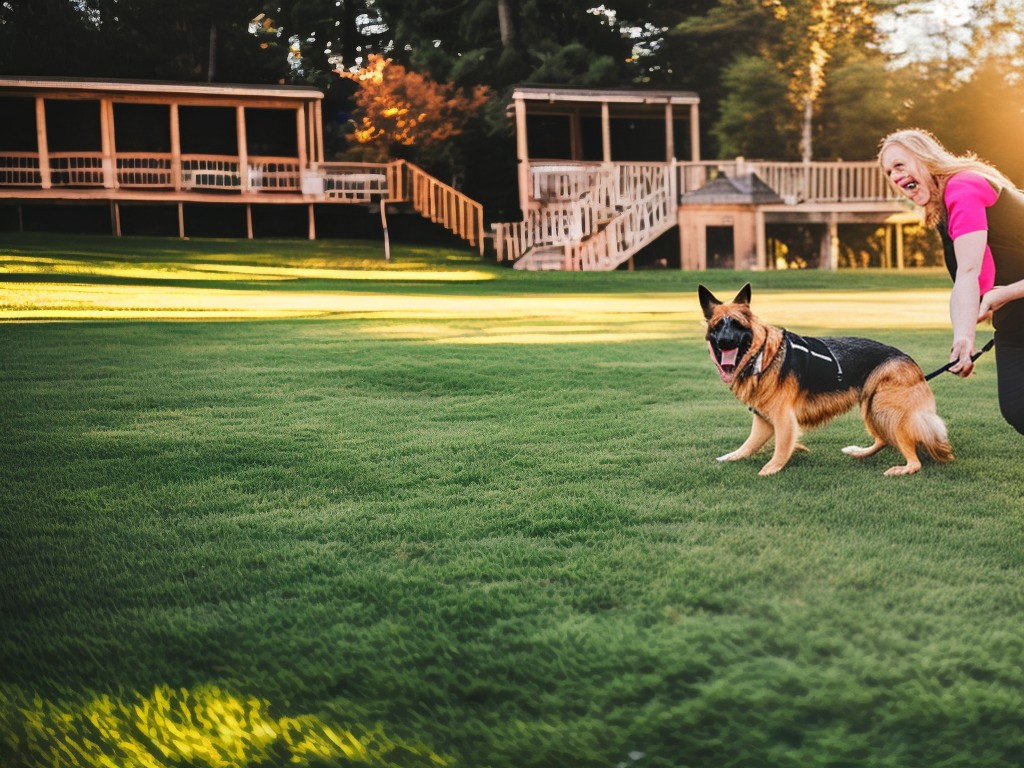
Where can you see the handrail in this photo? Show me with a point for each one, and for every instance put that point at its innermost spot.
(798, 182)
(439, 202)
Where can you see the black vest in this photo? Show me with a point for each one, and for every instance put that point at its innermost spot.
(813, 364)
(1006, 241)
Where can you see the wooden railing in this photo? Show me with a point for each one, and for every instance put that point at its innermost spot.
(627, 233)
(627, 204)
(20, 169)
(797, 182)
(144, 170)
(602, 224)
(161, 172)
(439, 202)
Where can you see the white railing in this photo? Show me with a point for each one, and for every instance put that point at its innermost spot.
(619, 195)
(624, 235)
(274, 174)
(797, 182)
(552, 182)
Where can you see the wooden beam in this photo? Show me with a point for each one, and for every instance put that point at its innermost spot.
(694, 134)
(44, 152)
(243, 148)
(670, 138)
(899, 247)
(318, 155)
(606, 133)
(107, 144)
(522, 155)
(300, 136)
(762, 246)
(175, 148)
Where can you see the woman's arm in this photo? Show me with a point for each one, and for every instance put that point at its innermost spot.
(965, 301)
(998, 296)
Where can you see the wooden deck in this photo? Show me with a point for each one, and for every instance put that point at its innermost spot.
(68, 140)
(163, 178)
(583, 216)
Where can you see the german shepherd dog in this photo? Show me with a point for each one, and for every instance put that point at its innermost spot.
(791, 383)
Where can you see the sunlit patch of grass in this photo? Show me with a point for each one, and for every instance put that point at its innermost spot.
(37, 265)
(205, 726)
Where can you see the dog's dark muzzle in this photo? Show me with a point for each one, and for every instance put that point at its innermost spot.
(727, 343)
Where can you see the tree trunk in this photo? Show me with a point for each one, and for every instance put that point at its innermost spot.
(211, 67)
(806, 138)
(507, 23)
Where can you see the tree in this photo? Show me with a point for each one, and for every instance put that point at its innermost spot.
(396, 108)
(799, 37)
(750, 123)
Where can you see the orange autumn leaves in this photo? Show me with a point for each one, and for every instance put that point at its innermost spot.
(396, 107)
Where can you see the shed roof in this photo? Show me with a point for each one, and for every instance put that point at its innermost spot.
(747, 189)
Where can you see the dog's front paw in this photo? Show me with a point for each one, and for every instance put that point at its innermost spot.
(732, 456)
(770, 469)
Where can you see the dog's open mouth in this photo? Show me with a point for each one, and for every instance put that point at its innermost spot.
(726, 362)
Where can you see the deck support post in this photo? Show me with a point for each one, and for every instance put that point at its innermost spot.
(44, 151)
(522, 156)
(108, 144)
(899, 247)
(694, 134)
(606, 133)
(384, 226)
(828, 257)
(243, 149)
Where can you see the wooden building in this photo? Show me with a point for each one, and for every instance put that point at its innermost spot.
(602, 174)
(600, 178)
(121, 143)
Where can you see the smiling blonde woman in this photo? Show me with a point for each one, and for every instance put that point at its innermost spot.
(979, 214)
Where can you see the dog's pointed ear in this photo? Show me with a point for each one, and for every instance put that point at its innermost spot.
(708, 302)
(743, 297)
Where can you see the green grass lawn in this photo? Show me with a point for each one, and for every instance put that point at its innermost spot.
(267, 504)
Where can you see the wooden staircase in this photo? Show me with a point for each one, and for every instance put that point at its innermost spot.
(437, 201)
(589, 216)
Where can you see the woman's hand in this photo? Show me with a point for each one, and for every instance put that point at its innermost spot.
(997, 297)
(963, 349)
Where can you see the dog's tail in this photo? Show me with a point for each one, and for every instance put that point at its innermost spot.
(933, 437)
(901, 407)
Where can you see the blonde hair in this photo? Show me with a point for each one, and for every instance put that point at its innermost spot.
(941, 164)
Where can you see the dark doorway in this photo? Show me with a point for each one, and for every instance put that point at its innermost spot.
(721, 248)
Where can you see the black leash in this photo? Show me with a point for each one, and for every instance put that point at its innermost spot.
(951, 363)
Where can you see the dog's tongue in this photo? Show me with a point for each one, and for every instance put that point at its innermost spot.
(728, 360)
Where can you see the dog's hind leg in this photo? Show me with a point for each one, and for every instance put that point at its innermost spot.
(909, 451)
(761, 432)
(862, 453)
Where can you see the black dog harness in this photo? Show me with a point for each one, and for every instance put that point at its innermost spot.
(812, 362)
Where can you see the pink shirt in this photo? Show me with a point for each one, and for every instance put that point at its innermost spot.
(968, 196)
